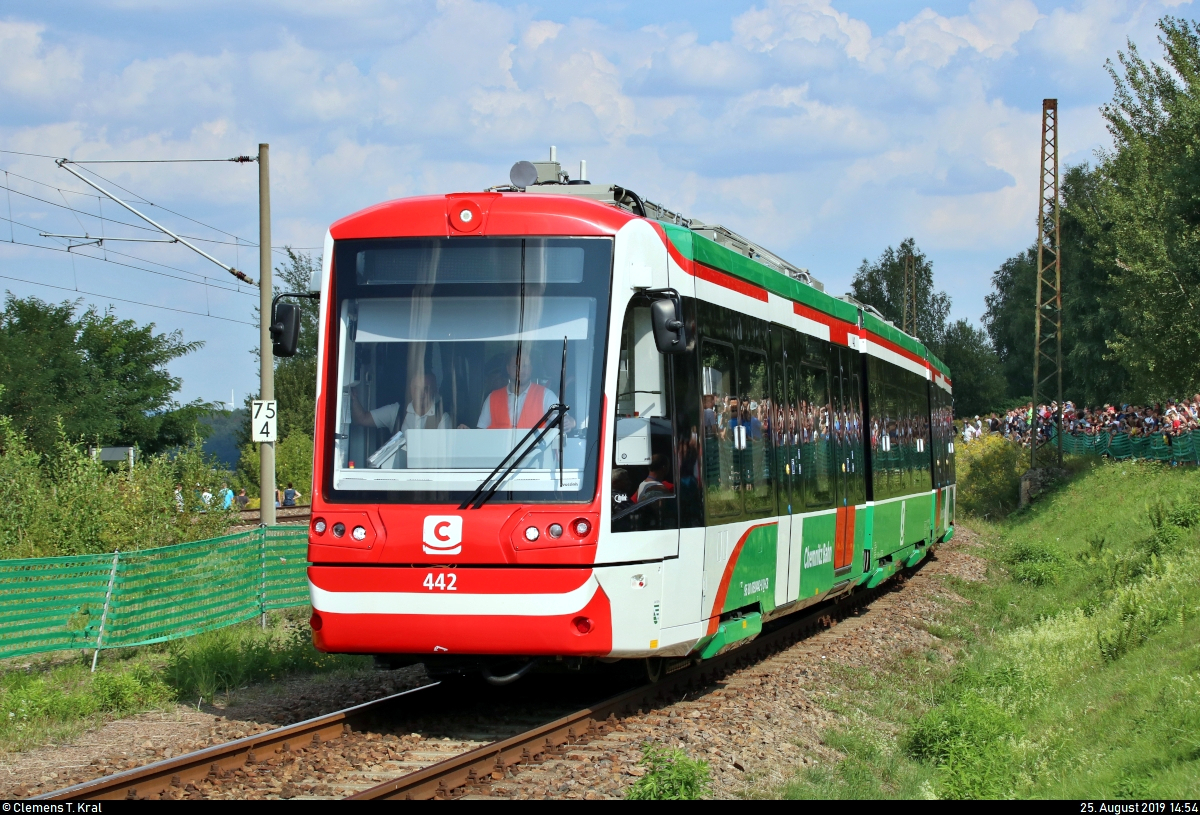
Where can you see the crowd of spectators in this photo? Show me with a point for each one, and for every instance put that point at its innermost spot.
(1171, 418)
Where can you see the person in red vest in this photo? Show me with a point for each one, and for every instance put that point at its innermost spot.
(520, 403)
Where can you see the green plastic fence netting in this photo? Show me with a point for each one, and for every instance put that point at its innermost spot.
(1121, 446)
(50, 604)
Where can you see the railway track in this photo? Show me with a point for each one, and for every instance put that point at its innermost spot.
(282, 515)
(372, 760)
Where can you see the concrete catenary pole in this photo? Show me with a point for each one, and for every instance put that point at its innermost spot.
(266, 360)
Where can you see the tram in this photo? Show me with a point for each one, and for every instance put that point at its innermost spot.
(557, 421)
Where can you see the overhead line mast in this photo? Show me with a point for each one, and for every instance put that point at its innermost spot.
(908, 319)
(1047, 325)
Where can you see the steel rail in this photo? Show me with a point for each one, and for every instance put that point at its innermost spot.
(473, 771)
(155, 778)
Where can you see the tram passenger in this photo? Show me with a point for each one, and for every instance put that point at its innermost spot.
(521, 398)
(422, 413)
(656, 482)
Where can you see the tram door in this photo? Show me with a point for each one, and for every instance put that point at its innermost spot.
(843, 456)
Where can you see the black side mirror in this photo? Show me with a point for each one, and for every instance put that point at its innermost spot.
(285, 330)
(669, 334)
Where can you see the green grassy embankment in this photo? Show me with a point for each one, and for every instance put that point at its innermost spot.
(57, 697)
(1077, 663)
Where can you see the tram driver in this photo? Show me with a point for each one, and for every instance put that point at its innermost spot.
(520, 402)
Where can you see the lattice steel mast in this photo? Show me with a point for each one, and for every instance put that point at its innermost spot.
(908, 318)
(1047, 325)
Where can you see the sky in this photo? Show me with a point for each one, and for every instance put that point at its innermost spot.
(825, 130)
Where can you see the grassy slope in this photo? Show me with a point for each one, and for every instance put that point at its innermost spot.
(1078, 665)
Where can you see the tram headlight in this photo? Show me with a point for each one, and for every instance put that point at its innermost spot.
(319, 526)
(582, 527)
(339, 529)
(531, 533)
(555, 530)
(359, 533)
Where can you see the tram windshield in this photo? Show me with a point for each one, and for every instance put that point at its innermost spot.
(450, 350)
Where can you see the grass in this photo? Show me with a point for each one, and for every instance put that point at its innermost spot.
(1077, 669)
(670, 776)
(53, 700)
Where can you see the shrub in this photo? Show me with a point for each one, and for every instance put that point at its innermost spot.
(65, 503)
(127, 692)
(989, 476)
(670, 776)
(969, 740)
(68, 697)
(1034, 562)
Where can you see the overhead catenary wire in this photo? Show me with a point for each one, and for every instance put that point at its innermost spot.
(240, 275)
(203, 281)
(10, 224)
(115, 252)
(238, 241)
(126, 300)
(141, 199)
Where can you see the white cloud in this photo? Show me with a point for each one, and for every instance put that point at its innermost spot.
(991, 29)
(29, 68)
(809, 21)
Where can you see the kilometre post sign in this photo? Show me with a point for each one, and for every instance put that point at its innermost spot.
(262, 420)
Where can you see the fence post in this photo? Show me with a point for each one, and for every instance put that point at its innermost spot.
(263, 566)
(112, 576)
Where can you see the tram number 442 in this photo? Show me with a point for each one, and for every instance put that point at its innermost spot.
(444, 581)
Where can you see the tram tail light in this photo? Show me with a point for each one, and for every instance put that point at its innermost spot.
(315, 621)
(581, 527)
(583, 625)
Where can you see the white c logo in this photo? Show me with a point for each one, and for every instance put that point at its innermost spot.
(442, 535)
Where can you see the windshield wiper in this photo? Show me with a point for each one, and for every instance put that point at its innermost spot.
(560, 411)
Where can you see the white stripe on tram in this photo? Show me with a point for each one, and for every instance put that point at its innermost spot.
(453, 603)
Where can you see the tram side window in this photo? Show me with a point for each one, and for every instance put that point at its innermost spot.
(816, 455)
(752, 423)
(935, 434)
(793, 424)
(643, 462)
(854, 430)
(778, 424)
(924, 458)
(722, 476)
(876, 428)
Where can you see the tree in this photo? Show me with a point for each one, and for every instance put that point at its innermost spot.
(975, 369)
(1009, 320)
(105, 379)
(1147, 199)
(881, 285)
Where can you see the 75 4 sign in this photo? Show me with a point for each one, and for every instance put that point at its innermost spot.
(262, 420)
